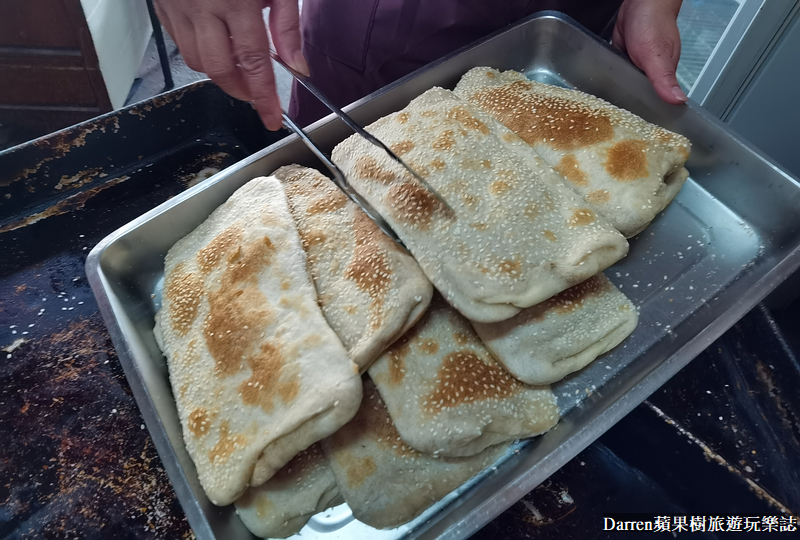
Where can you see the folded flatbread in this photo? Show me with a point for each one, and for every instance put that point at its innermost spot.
(546, 342)
(516, 235)
(257, 373)
(384, 481)
(283, 504)
(371, 291)
(449, 397)
(625, 168)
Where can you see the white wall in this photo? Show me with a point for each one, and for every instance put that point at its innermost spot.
(120, 30)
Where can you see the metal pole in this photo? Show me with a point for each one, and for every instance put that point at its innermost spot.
(162, 49)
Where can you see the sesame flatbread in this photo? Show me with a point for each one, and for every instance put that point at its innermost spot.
(283, 504)
(627, 169)
(449, 397)
(384, 481)
(257, 373)
(516, 235)
(547, 342)
(371, 291)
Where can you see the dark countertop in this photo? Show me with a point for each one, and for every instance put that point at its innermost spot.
(722, 436)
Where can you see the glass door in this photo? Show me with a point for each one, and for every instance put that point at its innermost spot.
(723, 44)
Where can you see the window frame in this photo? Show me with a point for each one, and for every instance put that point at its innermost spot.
(752, 32)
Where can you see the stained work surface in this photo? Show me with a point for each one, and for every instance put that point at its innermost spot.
(75, 461)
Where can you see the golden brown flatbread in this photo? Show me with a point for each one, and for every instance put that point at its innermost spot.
(384, 481)
(283, 504)
(257, 373)
(516, 235)
(626, 169)
(371, 291)
(449, 397)
(545, 343)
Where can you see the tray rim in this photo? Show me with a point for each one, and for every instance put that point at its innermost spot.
(500, 500)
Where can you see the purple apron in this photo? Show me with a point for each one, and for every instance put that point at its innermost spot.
(354, 47)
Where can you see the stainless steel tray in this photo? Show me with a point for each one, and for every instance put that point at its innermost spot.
(731, 235)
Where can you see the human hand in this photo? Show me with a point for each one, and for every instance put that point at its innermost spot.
(648, 31)
(227, 40)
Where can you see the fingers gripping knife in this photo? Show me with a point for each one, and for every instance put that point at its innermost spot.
(338, 176)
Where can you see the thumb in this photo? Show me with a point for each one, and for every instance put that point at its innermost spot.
(658, 58)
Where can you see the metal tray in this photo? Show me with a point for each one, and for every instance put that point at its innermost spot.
(730, 237)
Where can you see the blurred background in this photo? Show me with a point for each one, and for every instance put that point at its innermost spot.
(64, 61)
